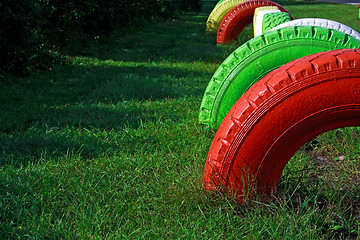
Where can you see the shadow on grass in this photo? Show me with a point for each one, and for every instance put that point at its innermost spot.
(94, 84)
(43, 114)
(53, 144)
(87, 131)
(80, 89)
(182, 39)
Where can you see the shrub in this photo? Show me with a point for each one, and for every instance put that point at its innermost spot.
(35, 28)
(20, 37)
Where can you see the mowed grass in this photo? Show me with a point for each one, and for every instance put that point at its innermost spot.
(109, 146)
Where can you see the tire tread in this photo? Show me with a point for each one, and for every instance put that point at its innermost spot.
(218, 13)
(225, 28)
(246, 112)
(272, 20)
(257, 46)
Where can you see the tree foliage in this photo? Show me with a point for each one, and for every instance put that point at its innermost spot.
(33, 29)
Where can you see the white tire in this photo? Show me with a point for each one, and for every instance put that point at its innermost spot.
(320, 23)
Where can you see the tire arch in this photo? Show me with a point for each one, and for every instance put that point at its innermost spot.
(320, 22)
(257, 57)
(280, 113)
(239, 17)
(259, 16)
(272, 20)
(218, 13)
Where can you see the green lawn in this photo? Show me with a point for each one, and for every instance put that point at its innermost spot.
(109, 146)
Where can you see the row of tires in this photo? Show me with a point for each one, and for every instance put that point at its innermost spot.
(230, 17)
(274, 93)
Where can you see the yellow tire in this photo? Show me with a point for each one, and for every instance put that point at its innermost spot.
(218, 13)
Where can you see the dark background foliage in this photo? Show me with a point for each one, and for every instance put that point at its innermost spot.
(33, 31)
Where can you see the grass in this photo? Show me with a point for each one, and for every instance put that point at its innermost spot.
(108, 146)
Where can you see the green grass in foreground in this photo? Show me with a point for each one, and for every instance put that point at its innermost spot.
(109, 147)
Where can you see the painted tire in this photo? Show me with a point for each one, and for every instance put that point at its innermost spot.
(219, 2)
(279, 114)
(259, 16)
(239, 17)
(321, 23)
(272, 20)
(218, 13)
(261, 9)
(257, 57)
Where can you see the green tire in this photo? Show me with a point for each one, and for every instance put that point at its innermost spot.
(257, 12)
(272, 20)
(260, 55)
(219, 2)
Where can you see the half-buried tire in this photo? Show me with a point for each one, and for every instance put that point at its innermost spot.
(239, 17)
(259, 16)
(279, 114)
(320, 22)
(257, 57)
(218, 13)
(272, 20)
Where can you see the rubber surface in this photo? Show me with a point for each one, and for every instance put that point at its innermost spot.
(258, 19)
(256, 12)
(219, 2)
(321, 23)
(218, 13)
(257, 57)
(279, 114)
(272, 20)
(239, 17)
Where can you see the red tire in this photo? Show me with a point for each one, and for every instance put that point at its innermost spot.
(277, 115)
(239, 17)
